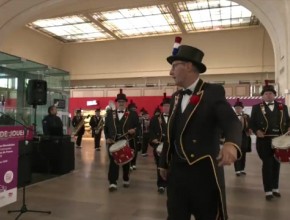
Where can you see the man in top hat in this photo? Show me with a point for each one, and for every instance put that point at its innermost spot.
(246, 140)
(158, 128)
(269, 119)
(120, 124)
(78, 123)
(97, 124)
(191, 152)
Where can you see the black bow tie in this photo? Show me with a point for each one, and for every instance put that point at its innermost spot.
(239, 115)
(121, 111)
(186, 92)
(271, 103)
(165, 115)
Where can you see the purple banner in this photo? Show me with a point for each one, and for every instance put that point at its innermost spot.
(8, 171)
(16, 132)
(9, 138)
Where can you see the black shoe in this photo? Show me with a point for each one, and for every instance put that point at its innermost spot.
(269, 197)
(161, 190)
(276, 194)
(238, 173)
(112, 187)
(126, 184)
(243, 173)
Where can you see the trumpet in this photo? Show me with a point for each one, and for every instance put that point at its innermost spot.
(100, 126)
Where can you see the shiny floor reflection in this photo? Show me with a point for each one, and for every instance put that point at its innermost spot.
(83, 194)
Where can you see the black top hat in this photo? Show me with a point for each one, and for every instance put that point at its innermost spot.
(190, 54)
(121, 96)
(166, 100)
(79, 111)
(238, 103)
(132, 104)
(268, 88)
(98, 110)
(157, 111)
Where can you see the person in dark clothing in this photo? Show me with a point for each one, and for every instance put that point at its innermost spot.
(269, 119)
(191, 160)
(120, 124)
(78, 123)
(97, 124)
(246, 139)
(158, 128)
(52, 124)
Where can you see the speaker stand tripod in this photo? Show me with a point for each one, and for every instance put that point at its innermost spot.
(23, 208)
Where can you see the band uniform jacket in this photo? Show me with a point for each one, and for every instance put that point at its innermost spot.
(75, 122)
(95, 122)
(129, 120)
(206, 114)
(259, 120)
(157, 129)
(246, 140)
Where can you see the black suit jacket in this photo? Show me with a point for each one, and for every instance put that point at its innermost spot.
(202, 124)
(130, 120)
(259, 120)
(157, 129)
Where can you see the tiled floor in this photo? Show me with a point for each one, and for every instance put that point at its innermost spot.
(83, 194)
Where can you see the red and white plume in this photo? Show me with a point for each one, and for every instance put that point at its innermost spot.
(176, 45)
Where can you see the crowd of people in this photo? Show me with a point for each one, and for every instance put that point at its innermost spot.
(185, 135)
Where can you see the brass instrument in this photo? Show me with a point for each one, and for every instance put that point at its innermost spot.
(80, 124)
(99, 126)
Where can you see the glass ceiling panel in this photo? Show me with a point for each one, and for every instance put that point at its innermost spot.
(139, 22)
(213, 14)
(71, 29)
(195, 15)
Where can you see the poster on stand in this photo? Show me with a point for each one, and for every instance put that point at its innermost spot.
(9, 139)
(8, 171)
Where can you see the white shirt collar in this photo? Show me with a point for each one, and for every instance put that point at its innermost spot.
(193, 85)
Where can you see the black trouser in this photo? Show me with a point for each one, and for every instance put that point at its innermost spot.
(241, 163)
(79, 139)
(113, 174)
(145, 143)
(97, 138)
(160, 181)
(192, 190)
(270, 167)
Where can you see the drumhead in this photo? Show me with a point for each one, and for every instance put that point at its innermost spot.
(118, 145)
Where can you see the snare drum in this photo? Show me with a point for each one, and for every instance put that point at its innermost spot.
(121, 152)
(281, 146)
(159, 148)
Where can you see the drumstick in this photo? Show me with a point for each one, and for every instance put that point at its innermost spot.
(123, 135)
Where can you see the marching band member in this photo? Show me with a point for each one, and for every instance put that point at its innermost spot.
(134, 141)
(78, 123)
(246, 140)
(119, 124)
(97, 123)
(269, 119)
(191, 154)
(145, 123)
(158, 126)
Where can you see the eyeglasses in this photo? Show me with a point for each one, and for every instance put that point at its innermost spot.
(176, 64)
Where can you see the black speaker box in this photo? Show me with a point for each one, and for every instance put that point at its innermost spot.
(36, 93)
